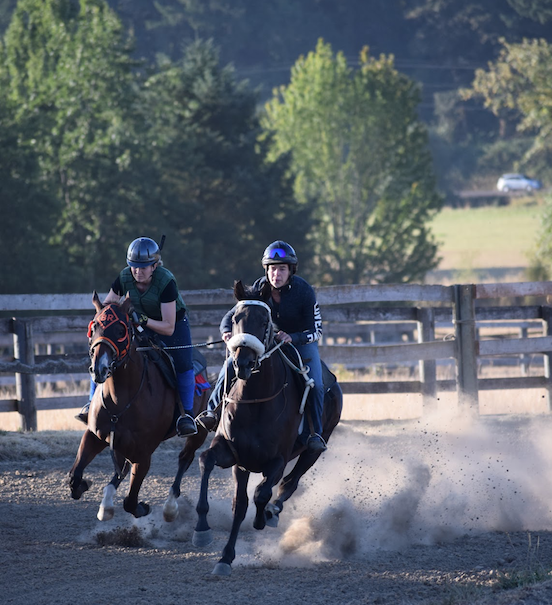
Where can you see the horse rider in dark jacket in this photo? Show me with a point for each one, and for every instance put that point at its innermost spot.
(296, 315)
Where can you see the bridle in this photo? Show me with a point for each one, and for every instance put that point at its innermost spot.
(262, 348)
(120, 348)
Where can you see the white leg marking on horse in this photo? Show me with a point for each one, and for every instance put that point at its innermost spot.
(107, 508)
(170, 508)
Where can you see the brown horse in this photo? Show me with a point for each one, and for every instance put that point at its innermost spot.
(260, 423)
(132, 411)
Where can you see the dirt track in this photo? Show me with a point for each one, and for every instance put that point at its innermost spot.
(428, 513)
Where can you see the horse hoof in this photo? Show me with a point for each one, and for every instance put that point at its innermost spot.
(170, 509)
(202, 538)
(170, 515)
(142, 510)
(105, 513)
(272, 515)
(221, 569)
(83, 486)
(272, 519)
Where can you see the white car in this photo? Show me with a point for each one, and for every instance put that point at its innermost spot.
(517, 182)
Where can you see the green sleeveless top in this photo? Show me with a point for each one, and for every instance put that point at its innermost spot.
(149, 302)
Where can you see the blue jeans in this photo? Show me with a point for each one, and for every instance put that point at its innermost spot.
(311, 357)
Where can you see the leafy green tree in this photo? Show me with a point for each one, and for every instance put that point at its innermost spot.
(221, 202)
(29, 212)
(517, 85)
(538, 10)
(68, 68)
(359, 153)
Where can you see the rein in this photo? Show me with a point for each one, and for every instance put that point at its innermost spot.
(262, 400)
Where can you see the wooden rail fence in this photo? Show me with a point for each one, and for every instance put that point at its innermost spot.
(464, 307)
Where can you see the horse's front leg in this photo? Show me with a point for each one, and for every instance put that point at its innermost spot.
(130, 503)
(106, 511)
(185, 459)
(90, 446)
(272, 473)
(239, 507)
(218, 454)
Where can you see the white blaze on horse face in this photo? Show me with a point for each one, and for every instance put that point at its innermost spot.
(102, 368)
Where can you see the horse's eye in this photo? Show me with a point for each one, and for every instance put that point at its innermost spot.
(121, 331)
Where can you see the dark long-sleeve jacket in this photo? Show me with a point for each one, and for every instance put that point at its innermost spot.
(297, 314)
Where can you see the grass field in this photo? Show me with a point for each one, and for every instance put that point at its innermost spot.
(489, 237)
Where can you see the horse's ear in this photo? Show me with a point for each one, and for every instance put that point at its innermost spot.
(96, 302)
(239, 290)
(266, 292)
(127, 306)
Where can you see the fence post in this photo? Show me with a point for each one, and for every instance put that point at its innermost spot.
(427, 367)
(466, 362)
(524, 359)
(546, 312)
(24, 383)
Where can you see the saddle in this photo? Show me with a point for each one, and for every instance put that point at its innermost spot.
(156, 352)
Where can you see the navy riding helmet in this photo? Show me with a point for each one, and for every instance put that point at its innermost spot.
(143, 252)
(280, 253)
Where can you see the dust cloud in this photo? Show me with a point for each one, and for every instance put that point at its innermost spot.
(391, 485)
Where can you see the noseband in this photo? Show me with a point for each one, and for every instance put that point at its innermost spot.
(120, 347)
(249, 340)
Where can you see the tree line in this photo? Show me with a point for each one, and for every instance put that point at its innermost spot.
(117, 121)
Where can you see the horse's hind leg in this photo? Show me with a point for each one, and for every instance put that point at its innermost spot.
(241, 501)
(106, 511)
(90, 446)
(130, 503)
(185, 459)
(272, 474)
(288, 486)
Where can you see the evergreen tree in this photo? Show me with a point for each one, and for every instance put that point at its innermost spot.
(221, 203)
(68, 67)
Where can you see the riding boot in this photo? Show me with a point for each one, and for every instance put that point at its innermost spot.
(83, 414)
(315, 442)
(185, 425)
(209, 418)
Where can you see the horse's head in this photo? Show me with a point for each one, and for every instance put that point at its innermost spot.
(252, 328)
(109, 337)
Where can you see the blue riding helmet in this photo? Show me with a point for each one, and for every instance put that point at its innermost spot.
(280, 253)
(143, 252)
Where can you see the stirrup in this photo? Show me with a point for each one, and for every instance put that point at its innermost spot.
(208, 420)
(186, 426)
(316, 444)
(83, 414)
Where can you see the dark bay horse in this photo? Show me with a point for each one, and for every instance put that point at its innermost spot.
(132, 412)
(259, 426)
